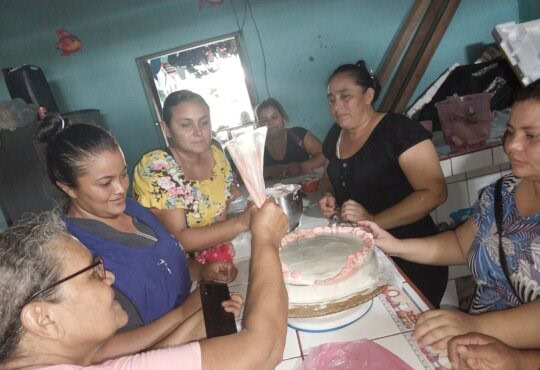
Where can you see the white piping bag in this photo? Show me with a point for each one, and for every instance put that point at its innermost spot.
(247, 151)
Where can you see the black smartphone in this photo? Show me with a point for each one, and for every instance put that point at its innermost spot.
(218, 322)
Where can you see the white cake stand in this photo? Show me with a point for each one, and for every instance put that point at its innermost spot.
(330, 322)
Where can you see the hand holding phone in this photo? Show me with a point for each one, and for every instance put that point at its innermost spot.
(218, 322)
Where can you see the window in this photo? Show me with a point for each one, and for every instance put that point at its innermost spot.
(212, 68)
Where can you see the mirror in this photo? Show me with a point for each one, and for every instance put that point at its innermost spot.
(215, 69)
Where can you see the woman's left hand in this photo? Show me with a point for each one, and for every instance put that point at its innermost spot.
(436, 327)
(220, 271)
(353, 212)
(234, 305)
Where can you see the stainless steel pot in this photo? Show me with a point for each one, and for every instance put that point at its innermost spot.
(290, 201)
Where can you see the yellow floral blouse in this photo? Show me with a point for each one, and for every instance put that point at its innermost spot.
(159, 182)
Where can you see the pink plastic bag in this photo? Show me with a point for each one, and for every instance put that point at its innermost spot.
(361, 354)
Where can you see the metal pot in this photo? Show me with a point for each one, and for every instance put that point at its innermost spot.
(290, 200)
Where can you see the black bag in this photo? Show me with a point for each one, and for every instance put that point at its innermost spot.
(495, 77)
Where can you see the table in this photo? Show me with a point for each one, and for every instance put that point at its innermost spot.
(389, 322)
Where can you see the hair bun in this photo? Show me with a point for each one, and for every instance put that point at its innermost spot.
(51, 125)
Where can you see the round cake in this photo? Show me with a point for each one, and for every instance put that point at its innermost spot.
(327, 264)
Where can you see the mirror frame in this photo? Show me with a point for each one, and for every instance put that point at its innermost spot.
(150, 89)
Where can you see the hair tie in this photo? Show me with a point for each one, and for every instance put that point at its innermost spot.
(63, 122)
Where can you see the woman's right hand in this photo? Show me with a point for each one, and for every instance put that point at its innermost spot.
(382, 238)
(269, 223)
(327, 204)
(244, 218)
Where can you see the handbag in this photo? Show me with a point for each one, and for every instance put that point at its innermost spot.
(465, 121)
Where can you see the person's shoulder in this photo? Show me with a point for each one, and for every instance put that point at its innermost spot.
(160, 158)
(394, 126)
(298, 130)
(218, 153)
(397, 121)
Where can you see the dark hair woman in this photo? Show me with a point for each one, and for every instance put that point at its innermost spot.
(381, 167)
(500, 242)
(189, 184)
(288, 152)
(153, 279)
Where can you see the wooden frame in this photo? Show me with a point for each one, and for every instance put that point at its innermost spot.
(425, 41)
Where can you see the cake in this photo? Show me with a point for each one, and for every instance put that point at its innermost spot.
(327, 264)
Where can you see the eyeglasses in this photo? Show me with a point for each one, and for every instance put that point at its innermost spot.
(97, 265)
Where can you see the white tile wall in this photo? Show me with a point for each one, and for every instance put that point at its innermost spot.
(458, 197)
(472, 161)
(499, 156)
(446, 166)
(470, 173)
(478, 183)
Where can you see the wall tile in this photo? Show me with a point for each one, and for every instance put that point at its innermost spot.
(483, 171)
(478, 183)
(456, 178)
(473, 161)
(499, 156)
(458, 197)
(446, 166)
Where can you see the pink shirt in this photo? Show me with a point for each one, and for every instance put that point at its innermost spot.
(187, 357)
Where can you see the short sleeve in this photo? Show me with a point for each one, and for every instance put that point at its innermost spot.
(407, 133)
(300, 132)
(158, 182)
(226, 170)
(484, 202)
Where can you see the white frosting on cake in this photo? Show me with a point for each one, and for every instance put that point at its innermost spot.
(326, 264)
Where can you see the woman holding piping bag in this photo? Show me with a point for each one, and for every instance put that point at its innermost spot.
(188, 185)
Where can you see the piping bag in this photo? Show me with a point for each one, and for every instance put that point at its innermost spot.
(247, 151)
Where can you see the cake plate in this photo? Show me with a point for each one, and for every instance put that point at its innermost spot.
(330, 322)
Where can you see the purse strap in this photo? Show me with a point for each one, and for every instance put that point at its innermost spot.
(499, 223)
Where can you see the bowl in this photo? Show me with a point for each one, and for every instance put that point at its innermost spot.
(290, 201)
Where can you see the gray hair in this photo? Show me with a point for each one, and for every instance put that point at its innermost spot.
(29, 262)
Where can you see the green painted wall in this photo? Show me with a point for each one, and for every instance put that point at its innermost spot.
(303, 40)
(528, 10)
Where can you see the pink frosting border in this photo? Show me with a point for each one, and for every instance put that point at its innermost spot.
(353, 261)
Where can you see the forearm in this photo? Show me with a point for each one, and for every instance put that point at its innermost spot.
(315, 161)
(201, 238)
(260, 344)
(144, 337)
(412, 208)
(189, 330)
(518, 327)
(266, 281)
(440, 250)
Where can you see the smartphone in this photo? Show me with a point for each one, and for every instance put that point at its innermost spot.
(218, 322)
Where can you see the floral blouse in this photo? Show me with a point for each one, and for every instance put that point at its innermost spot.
(159, 182)
(521, 244)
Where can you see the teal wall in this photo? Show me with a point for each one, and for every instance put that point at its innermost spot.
(303, 40)
(528, 10)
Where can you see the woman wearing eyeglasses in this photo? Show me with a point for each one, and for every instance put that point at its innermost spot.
(153, 277)
(58, 310)
(288, 152)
